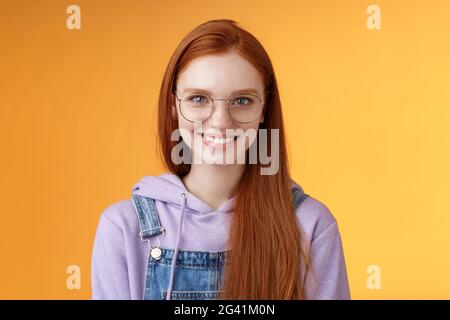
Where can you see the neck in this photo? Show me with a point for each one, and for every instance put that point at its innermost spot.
(214, 185)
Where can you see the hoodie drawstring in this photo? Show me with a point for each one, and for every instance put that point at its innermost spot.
(183, 196)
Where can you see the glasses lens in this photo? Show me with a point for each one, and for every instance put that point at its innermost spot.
(245, 108)
(196, 107)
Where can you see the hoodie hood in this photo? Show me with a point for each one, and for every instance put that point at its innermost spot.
(169, 187)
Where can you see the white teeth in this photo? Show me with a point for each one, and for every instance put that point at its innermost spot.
(219, 140)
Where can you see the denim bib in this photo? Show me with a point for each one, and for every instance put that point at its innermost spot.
(198, 274)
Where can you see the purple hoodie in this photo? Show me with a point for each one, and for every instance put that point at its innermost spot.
(119, 256)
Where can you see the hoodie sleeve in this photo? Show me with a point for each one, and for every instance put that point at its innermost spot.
(109, 276)
(331, 282)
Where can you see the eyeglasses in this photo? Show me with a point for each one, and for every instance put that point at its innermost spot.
(243, 108)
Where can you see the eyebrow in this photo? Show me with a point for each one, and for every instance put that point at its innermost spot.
(246, 90)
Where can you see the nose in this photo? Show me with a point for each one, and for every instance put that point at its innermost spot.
(220, 117)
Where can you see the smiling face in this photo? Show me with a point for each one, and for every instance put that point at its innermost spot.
(219, 76)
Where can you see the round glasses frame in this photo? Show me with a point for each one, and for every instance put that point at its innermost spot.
(228, 106)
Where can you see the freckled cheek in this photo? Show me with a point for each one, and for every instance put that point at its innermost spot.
(250, 128)
(186, 129)
(185, 125)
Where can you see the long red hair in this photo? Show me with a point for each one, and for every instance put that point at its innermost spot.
(267, 249)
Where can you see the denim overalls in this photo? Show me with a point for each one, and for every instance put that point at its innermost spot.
(198, 274)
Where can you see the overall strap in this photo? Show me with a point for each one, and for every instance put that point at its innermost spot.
(297, 197)
(147, 216)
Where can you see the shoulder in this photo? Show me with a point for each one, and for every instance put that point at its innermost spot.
(117, 254)
(314, 217)
(120, 216)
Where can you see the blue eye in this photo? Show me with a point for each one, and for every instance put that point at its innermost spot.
(242, 101)
(194, 99)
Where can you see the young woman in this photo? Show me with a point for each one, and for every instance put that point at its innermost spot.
(211, 229)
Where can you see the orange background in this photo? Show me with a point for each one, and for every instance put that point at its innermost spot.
(366, 111)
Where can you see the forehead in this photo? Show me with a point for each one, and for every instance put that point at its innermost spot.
(220, 74)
